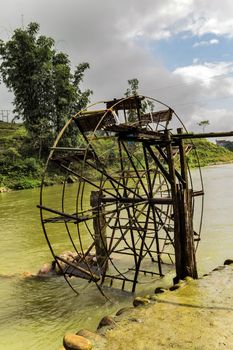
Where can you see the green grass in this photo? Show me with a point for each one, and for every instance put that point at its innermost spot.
(209, 154)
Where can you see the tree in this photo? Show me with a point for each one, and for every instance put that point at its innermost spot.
(132, 90)
(45, 90)
(204, 124)
(68, 97)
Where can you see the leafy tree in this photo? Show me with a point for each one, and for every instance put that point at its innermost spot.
(132, 90)
(45, 90)
(68, 97)
(204, 124)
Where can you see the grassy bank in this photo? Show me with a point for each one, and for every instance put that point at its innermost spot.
(209, 154)
(21, 169)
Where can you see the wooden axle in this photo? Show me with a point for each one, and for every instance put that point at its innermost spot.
(162, 200)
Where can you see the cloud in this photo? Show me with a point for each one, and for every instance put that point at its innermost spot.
(217, 117)
(115, 38)
(109, 35)
(204, 73)
(206, 43)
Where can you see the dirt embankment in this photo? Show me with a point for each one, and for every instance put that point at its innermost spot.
(198, 315)
(194, 314)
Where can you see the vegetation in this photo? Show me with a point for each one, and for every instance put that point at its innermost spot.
(203, 124)
(209, 154)
(45, 90)
(46, 93)
(20, 170)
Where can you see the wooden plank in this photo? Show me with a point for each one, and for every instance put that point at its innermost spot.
(77, 155)
(94, 120)
(157, 117)
(133, 102)
(82, 269)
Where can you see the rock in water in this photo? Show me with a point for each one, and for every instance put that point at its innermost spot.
(46, 270)
(228, 262)
(76, 342)
(124, 310)
(159, 290)
(67, 256)
(95, 339)
(107, 321)
(174, 287)
(138, 301)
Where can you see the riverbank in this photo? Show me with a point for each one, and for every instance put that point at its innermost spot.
(22, 169)
(196, 315)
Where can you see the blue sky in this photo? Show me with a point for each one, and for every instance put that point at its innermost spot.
(185, 49)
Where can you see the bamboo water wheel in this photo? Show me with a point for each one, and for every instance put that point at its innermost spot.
(117, 217)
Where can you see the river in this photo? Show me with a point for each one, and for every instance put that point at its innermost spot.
(35, 314)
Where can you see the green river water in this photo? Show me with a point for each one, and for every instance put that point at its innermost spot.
(35, 314)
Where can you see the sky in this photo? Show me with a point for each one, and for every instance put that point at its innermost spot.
(181, 51)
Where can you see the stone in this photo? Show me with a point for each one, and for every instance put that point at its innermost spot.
(46, 270)
(147, 296)
(4, 189)
(124, 310)
(76, 342)
(107, 321)
(159, 290)
(93, 337)
(219, 268)
(139, 301)
(67, 256)
(175, 287)
(188, 279)
(228, 262)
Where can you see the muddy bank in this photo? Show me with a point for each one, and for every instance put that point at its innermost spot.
(195, 314)
(198, 315)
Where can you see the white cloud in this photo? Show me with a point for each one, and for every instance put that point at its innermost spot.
(204, 73)
(206, 42)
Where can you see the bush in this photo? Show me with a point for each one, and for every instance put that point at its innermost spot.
(24, 183)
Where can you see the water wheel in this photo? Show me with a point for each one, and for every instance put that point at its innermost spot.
(116, 208)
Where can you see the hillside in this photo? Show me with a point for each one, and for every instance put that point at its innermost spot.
(20, 169)
(209, 154)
